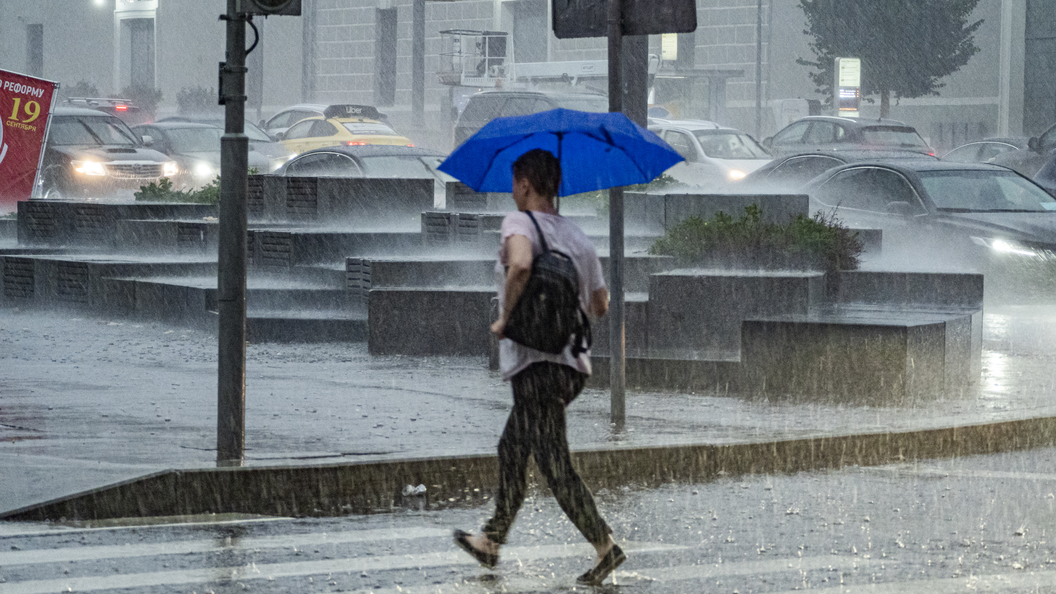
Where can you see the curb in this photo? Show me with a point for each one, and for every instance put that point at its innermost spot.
(373, 487)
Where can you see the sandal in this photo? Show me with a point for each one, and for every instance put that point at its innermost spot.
(489, 560)
(605, 566)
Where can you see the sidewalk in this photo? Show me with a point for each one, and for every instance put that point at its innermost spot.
(86, 402)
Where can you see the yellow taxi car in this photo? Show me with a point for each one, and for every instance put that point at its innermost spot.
(350, 125)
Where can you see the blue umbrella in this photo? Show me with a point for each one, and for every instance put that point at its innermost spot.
(596, 150)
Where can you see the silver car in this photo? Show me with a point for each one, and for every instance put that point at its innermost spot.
(713, 154)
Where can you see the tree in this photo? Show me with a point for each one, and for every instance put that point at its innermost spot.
(906, 46)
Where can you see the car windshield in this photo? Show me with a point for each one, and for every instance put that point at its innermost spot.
(893, 136)
(595, 103)
(720, 144)
(985, 191)
(369, 128)
(89, 130)
(195, 140)
(399, 166)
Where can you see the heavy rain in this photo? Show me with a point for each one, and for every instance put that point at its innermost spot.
(265, 268)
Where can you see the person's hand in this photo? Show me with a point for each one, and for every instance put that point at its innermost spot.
(499, 327)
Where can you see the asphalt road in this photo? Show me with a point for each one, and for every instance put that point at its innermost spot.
(974, 524)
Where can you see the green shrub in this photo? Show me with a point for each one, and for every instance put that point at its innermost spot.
(146, 98)
(196, 100)
(162, 191)
(817, 242)
(81, 88)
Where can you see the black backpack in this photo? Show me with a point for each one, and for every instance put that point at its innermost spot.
(547, 316)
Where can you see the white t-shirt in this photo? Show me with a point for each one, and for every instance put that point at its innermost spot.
(563, 236)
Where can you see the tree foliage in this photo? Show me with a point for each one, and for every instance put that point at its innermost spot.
(906, 46)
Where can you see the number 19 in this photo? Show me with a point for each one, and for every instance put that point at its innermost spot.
(32, 110)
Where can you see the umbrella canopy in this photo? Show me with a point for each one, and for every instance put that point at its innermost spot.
(596, 150)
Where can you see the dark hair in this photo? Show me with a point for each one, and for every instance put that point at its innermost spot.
(542, 170)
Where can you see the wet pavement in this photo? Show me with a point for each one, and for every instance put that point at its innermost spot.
(85, 402)
(971, 524)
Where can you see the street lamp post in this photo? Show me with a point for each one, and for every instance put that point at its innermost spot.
(231, 259)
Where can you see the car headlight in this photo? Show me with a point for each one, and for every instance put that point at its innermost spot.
(170, 169)
(89, 167)
(1006, 246)
(735, 175)
(203, 170)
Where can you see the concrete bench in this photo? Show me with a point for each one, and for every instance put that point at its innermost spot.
(429, 321)
(167, 236)
(329, 199)
(866, 355)
(92, 223)
(702, 310)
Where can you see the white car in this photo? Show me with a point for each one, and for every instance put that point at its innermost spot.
(714, 154)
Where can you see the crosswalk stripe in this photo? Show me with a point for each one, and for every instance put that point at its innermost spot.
(304, 568)
(17, 529)
(183, 547)
(521, 583)
(939, 472)
(1002, 582)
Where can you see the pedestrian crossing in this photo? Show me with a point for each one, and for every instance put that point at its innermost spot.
(204, 565)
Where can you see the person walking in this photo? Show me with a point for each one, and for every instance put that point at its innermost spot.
(543, 384)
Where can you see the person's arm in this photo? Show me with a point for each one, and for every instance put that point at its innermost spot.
(599, 302)
(518, 269)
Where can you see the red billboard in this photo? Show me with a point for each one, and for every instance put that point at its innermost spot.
(25, 103)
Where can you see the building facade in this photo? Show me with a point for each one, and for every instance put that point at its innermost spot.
(360, 51)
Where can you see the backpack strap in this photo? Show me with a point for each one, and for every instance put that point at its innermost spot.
(583, 338)
(542, 238)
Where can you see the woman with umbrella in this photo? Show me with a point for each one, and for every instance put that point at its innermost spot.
(543, 384)
(594, 151)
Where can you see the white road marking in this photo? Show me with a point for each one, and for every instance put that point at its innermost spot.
(16, 529)
(939, 472)
(183, 547)
(1020, 581)
(270, 571)
(523, 583)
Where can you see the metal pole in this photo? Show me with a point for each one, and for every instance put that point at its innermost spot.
(418, 63)
(617, 344)
(231, 265)
(759, 69)
(635, 81)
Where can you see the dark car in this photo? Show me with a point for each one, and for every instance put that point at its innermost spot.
(985, 150)
(943, 215)
(488, 105)
(830, 133)
(91, 154)
(794, 171)
(196, 150)
(265, 147)
(377, 160)
(1030, 159)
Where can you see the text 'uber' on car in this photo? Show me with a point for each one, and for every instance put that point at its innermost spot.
(350, 125)
(91, 154)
